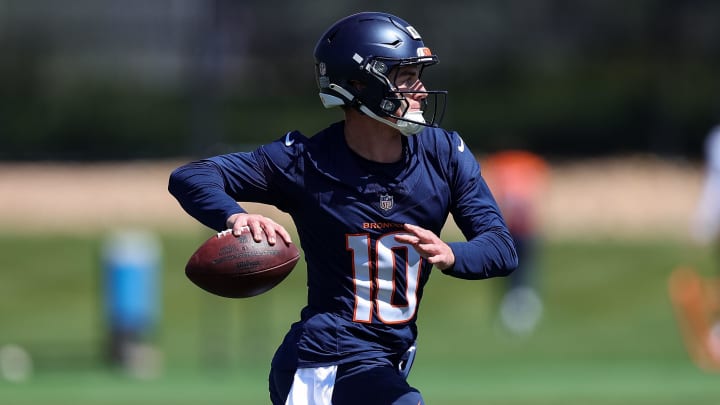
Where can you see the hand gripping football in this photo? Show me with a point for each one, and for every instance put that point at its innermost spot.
(238, 267)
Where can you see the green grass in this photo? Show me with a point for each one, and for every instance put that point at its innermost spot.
(608, 335)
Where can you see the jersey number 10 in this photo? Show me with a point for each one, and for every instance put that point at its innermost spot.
(386, 250)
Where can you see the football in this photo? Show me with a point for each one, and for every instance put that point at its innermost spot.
(238, 267)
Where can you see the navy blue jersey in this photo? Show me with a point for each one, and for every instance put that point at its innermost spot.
(364, 287)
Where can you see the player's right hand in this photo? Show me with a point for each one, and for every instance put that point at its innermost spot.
(259, 225)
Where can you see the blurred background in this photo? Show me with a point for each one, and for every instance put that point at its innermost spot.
(90, 80)
(100, 100)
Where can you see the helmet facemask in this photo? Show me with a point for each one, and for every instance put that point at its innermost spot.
(380, 98)
(432, 103)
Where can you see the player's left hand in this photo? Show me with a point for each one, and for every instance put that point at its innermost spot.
(429, 246)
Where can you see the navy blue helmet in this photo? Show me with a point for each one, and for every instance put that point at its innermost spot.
(365, 48)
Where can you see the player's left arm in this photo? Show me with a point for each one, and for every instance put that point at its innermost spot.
(489, 250)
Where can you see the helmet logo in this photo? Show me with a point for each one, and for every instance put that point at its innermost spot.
(413, 32)
(323, 80)
(424, 52)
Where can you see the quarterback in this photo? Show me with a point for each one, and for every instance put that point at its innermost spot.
(369, 196)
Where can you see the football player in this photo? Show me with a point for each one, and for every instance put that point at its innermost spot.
(369, 196)
(518, 180)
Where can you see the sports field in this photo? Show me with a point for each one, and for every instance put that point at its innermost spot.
(608, 336)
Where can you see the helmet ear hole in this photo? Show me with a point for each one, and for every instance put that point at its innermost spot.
(357, 85)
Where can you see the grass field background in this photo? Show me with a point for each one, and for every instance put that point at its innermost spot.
(615, 230)
(608, 336)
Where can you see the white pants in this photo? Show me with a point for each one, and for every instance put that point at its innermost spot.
(312, 386)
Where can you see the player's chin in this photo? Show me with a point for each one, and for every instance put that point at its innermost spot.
(409, 113)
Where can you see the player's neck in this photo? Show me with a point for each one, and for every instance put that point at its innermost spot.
(373, 140)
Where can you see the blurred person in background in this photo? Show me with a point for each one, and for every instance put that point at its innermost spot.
(706, 222)
(706, 231)
(369, 196)
(696, 298)
(518, 180)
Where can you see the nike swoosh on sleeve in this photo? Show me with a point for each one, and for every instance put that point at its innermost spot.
(461, 147)
(288, 139)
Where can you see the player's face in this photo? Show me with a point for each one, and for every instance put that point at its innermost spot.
(407, 80)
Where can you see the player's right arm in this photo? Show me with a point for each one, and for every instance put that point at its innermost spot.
(209, 189)
(200, 189)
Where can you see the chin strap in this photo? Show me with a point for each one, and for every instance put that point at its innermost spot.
(330, 101)
(405, 127)
(411, 122)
